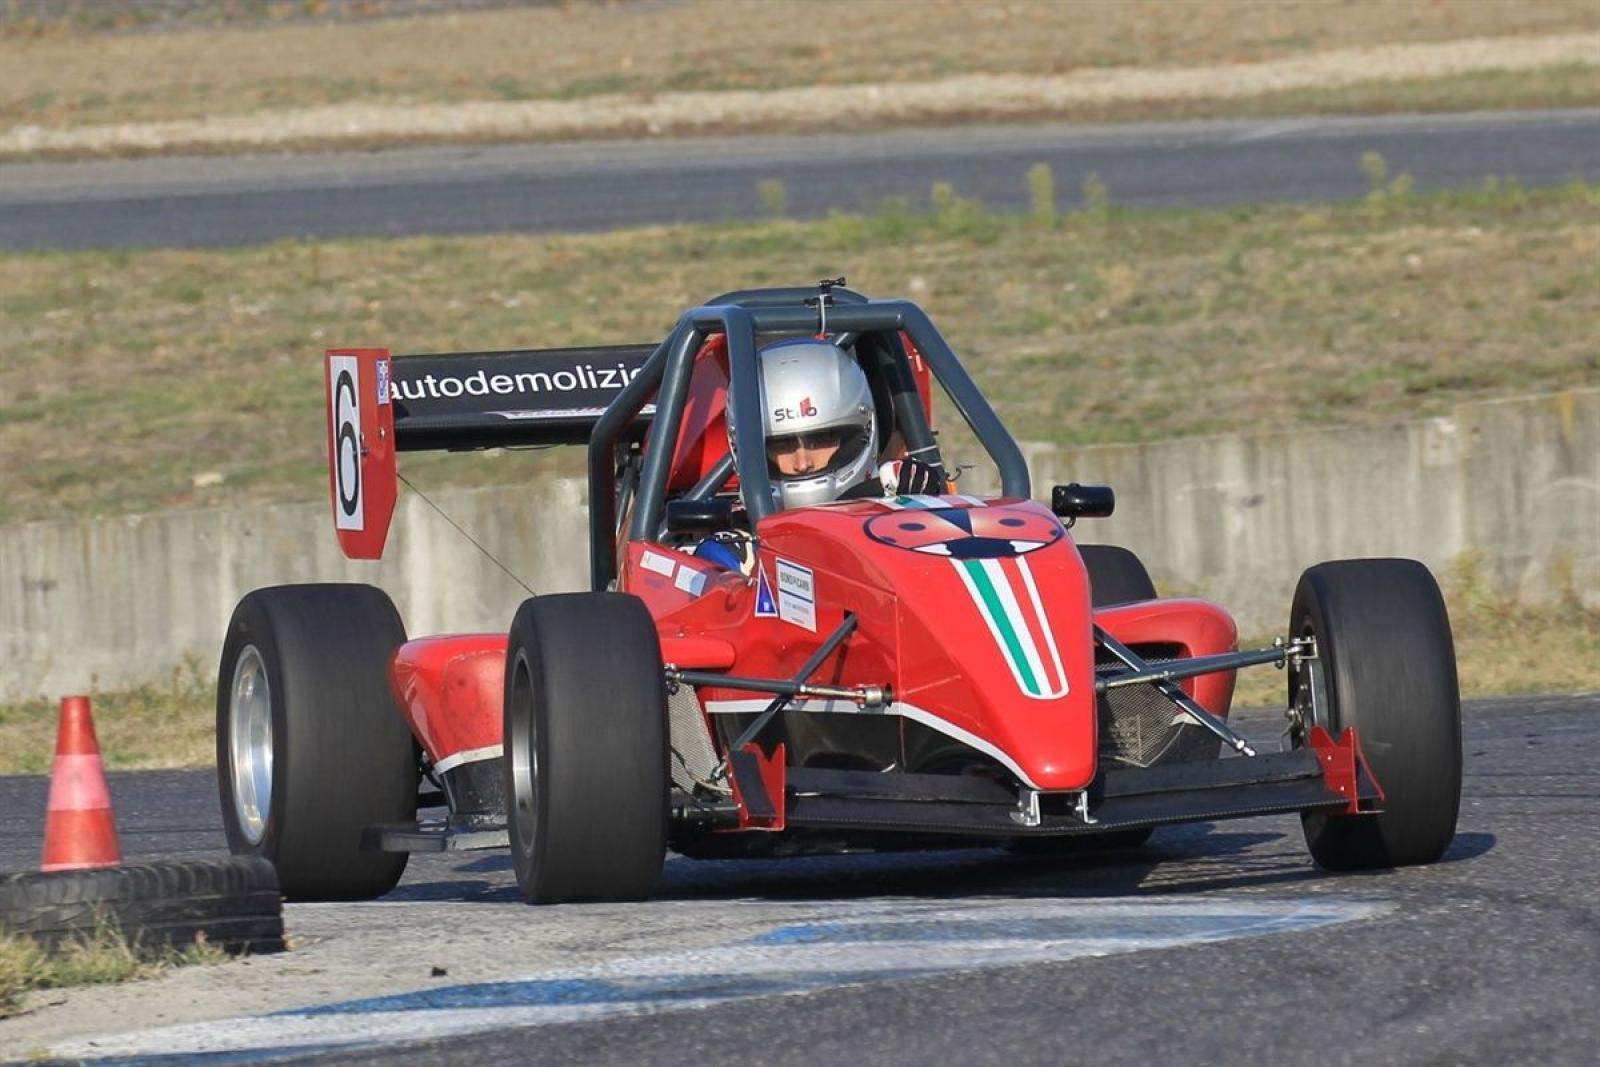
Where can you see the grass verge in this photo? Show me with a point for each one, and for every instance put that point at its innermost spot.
(105, 957)
(1502, 647)
(71, 71)
(144, 380)
(168, 723)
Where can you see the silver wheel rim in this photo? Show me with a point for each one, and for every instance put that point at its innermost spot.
(250, 744)
(522, 747)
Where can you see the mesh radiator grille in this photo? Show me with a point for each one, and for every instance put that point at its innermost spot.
(1138, 726)
(693, 756)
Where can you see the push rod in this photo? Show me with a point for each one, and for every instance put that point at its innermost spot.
(858, 694)
(782, 700)
(1192, 668)
(1171, 691)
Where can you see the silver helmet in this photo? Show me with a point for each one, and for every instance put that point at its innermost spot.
(818, 408)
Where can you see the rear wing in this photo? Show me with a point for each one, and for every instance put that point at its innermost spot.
(379, 405)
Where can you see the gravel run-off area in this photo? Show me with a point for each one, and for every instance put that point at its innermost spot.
(954, 99)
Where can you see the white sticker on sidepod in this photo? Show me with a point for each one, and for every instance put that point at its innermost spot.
(797, 595)
(655, 561)
(690, 580)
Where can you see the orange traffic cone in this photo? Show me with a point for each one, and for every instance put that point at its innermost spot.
(79, 831)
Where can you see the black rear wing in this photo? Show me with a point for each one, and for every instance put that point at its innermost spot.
(506, 399)
(379, 405)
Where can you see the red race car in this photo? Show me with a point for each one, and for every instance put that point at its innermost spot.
(890, 669)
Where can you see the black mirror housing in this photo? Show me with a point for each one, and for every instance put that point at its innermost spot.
(1076, 501)
(699, 516)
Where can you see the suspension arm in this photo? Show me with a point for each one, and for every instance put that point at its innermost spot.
(1192, 668)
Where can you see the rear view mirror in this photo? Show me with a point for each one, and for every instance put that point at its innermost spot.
(699, 516)
(1082, 501)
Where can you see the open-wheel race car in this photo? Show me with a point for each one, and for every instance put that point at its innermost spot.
(891, 669)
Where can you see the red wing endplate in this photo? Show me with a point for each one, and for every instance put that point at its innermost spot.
(361, 459)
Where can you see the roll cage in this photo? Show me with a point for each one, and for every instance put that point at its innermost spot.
(628, 479)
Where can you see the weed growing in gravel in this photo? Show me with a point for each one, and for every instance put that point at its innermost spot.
(774, 197)
(104, 957)
(1096, 197)
(1042, 195)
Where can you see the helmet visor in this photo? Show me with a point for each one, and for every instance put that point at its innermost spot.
(818, 452)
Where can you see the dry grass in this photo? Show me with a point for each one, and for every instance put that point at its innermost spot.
(129, 375)
(170, 723)
(61, 73)
(105, 957)
(1502, 647)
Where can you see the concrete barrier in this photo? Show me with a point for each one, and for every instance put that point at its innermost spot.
(1515, 483)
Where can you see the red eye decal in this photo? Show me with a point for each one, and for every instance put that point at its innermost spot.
(1009, 525)
(965, 533)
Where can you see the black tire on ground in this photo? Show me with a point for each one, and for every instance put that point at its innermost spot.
(234, 902)
(586, 748)
(342, 756)
(1116, 576)
(1388, 669)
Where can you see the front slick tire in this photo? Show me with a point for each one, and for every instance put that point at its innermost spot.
(1389, 670)
(586, 749)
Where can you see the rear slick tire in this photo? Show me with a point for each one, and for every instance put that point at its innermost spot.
(311, 749)
(1116, 576)
(1388, 668)
(586, 770)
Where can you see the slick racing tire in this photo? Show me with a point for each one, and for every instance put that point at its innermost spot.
(311, 749)
(1116, 576)
(233, 903)
(1385, 664)
(586, 749)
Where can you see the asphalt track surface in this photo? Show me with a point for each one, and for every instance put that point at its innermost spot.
(221, 201)
(1491, 956)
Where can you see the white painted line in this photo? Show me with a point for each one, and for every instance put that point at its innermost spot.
(846, 944)
(468, 755)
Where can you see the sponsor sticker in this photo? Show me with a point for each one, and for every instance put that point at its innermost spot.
(690, 580)
(797, 595)
(383, 382)
(655, 561)
(766, 605)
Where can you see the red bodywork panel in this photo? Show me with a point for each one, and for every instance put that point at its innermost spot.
(976, 614)
(994, 650)
(452, 690)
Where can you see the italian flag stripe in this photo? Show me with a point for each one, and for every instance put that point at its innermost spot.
(1039, 625)
(1005, 595)
(1001, 623)
(1029, 629)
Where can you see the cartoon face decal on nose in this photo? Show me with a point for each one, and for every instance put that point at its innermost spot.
(965, 533)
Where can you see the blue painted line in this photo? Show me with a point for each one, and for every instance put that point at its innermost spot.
(1036, 930)
(841, 947)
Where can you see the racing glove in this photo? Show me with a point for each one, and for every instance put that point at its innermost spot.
(910, 477)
